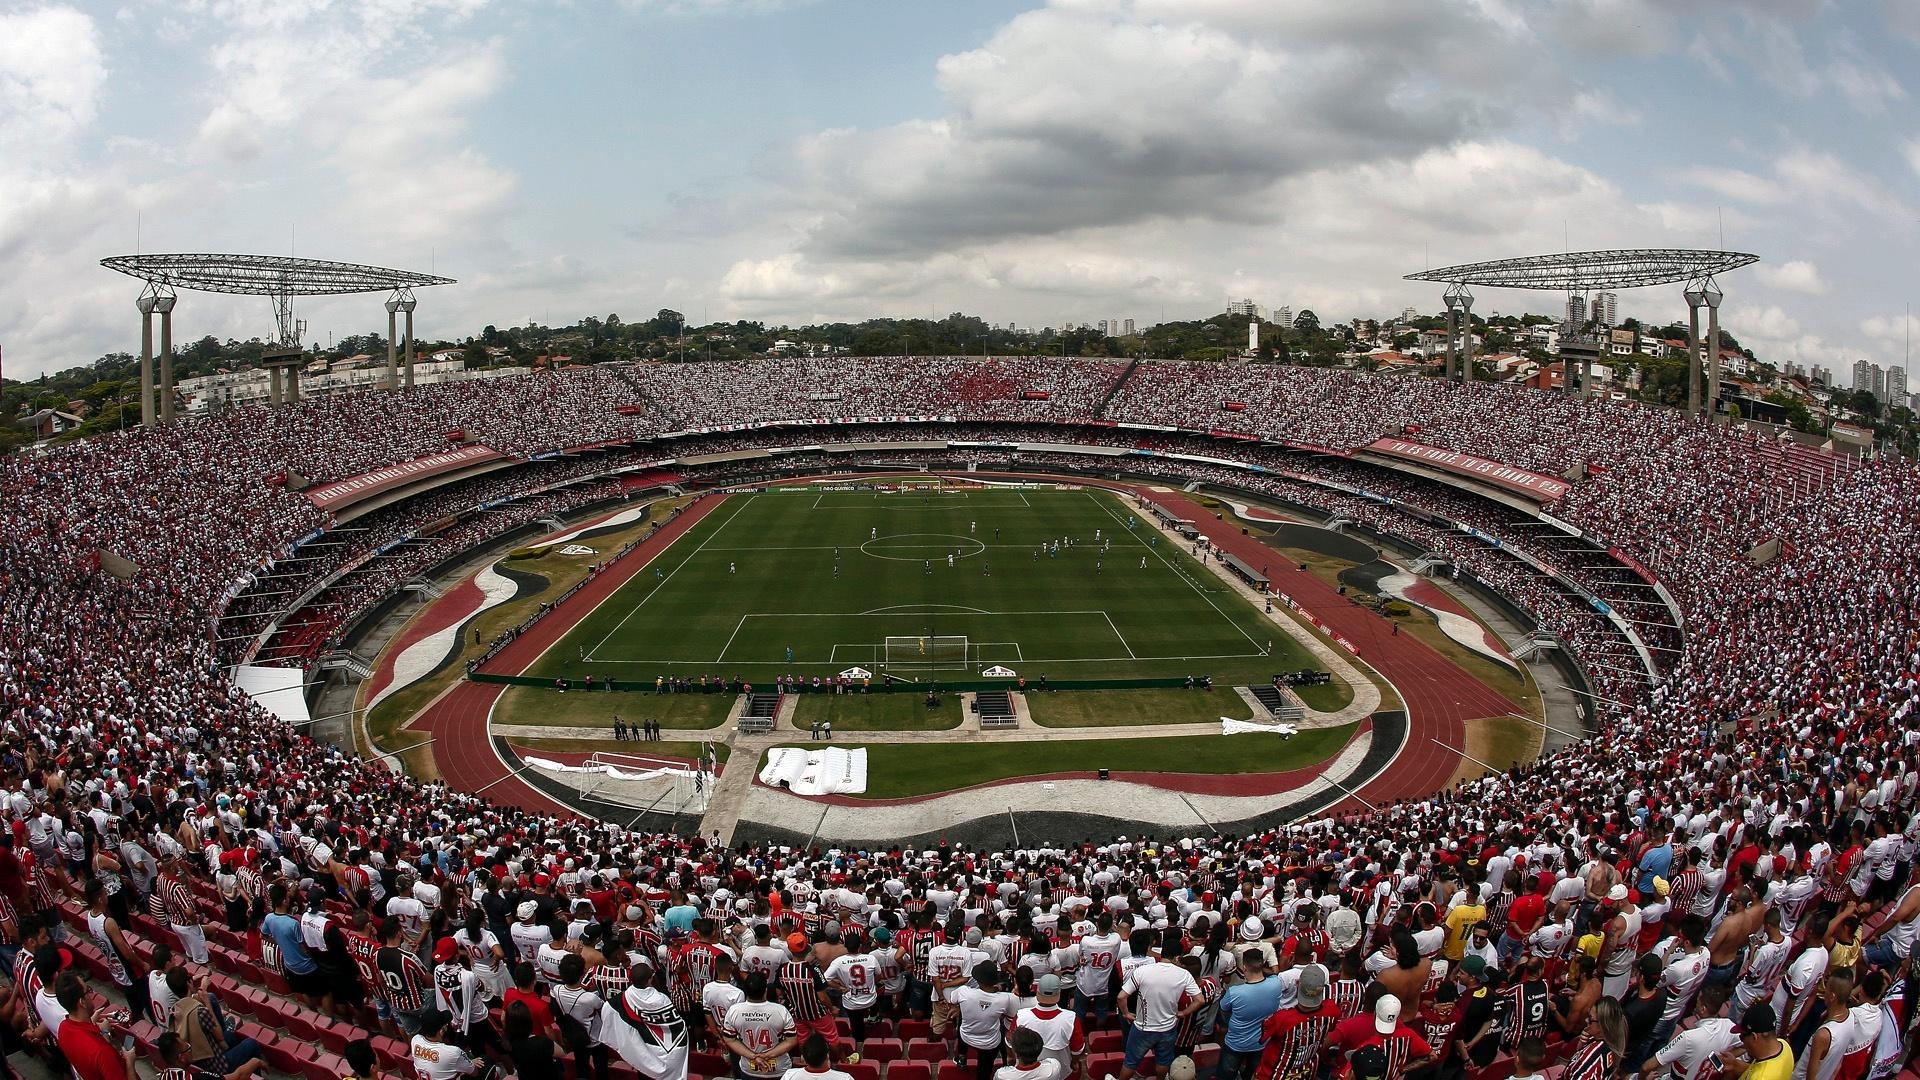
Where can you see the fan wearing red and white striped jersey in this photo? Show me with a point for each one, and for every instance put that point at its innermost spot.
(804, 993)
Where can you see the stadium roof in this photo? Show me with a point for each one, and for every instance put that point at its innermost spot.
(266, 275)
(1629, 268)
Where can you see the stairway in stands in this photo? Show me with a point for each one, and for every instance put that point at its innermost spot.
(639, 390)
(1100, 410)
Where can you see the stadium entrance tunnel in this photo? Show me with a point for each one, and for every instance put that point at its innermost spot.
(921, 547)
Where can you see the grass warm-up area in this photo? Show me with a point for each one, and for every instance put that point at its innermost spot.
(876, 712)
(681, 750)
(924, 583)
(903, 770)
(1136, 708)
(546, 708)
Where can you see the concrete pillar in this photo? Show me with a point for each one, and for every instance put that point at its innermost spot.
(164, 305)
(1713, 349)
(407, 306)
(1466, 337)
(293, 385)
(393, 365)
(1452, 329)
(1695, 298)
(1586, 376)
(273, 387)
(146, 305)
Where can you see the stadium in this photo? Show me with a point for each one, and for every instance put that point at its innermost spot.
(1762, 667)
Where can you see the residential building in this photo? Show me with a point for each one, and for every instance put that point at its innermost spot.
(1576, 310)
(1896, 387)
(1243, 307)
(1282, 315)
(1863, 375)
(1129, 326)
(1606, 308)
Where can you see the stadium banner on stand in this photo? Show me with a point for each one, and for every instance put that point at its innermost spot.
(1537, 486)
(279, 690)
(353, 489)
(1559, 524)
(816, 772)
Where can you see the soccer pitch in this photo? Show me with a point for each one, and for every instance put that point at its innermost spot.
(1070, 584)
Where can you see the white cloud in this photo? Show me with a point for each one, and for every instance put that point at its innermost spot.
(1733, 183)
(51, 72)
(1913, 155)
(1891, 329)
(1797, 275)
(1090, 113)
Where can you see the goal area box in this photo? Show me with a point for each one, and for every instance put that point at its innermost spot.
(926, 652)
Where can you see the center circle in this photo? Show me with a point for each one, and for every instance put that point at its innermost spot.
(921, 547)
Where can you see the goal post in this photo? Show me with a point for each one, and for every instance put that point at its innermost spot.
(926, 651)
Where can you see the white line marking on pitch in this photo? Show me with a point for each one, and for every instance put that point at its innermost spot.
(744, 503)
(1118, 634)
(1158, 554)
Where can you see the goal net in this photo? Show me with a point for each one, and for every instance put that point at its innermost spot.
(927, 651)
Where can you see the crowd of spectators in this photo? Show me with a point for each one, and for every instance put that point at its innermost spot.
(1719, 880)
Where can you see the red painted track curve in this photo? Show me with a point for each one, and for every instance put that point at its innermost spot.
(1440, 697)
(462, 749)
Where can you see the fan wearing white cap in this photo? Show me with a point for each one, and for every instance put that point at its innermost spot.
(1402, 1048)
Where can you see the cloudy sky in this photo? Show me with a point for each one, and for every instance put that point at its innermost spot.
(1035, 161)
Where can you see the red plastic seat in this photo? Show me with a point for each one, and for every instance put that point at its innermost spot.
(909, 1070)
(881, 1051)
(707, 1063)
(395, 1054)
(328, 1067)
(927, 1050)
(862, 1070)
(953, 1070)
(1106, 1042)
(907, 1030)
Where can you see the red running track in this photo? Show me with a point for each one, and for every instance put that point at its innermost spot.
(462, 747)
(1440, 697)
(455, 606)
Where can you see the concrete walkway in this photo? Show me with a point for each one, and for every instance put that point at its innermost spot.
(1152, 806)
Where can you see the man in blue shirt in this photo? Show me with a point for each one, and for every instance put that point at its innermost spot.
(301, 970)
(1245, 1007)
(1656, 863)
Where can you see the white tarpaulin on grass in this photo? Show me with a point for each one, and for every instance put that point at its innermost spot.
(278, 690)
(1230, 726)
(816, 772)
(610, 771)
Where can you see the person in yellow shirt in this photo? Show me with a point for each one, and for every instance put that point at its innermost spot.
(1768, 1056)
(1461, 919)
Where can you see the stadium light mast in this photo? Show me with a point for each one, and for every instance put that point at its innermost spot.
(1629, 268)
(279, 278)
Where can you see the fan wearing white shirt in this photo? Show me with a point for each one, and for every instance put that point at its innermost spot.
(1692, 1051)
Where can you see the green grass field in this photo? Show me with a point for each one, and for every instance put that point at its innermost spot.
(903, 770)
(812, 582)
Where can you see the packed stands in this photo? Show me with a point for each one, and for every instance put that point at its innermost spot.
(1723, 869)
